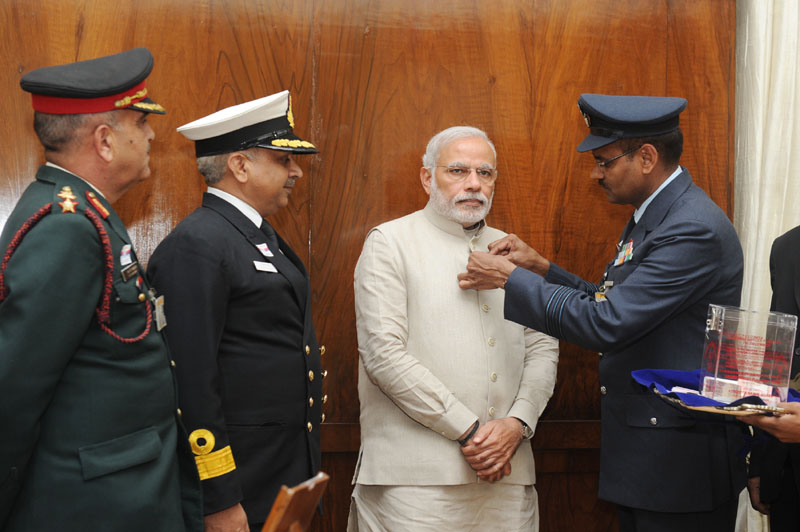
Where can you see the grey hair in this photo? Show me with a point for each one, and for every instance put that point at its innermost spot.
(57, 132)
(445, 137)
(213, 167)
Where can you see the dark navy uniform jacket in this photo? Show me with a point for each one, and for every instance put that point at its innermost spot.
(248, 362)
(90, 437)
(685, 255)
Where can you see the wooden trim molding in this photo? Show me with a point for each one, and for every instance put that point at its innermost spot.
(550, 435)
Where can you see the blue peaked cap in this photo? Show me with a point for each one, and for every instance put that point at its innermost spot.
(610, 118)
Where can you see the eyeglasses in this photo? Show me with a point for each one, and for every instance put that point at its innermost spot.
(605, 163)
(459, 173)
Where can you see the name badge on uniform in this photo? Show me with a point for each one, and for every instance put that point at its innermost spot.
(125, 255)
(264, 249)
(265, 266)
(130, 271)
(161, 318)
(625, 254)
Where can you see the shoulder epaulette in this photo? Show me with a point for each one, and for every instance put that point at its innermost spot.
(69, 200)
(71, 204)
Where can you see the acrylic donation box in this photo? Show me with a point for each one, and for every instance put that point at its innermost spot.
(747, 353)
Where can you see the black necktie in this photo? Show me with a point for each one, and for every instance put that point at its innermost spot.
(272, 238)
(285, 265)
(626, 232)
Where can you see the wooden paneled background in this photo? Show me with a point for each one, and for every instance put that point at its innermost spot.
(371, 81)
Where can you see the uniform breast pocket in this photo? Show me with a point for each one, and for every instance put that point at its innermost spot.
(128, 314)
(121, 453)
(127, 293)
(620, 270)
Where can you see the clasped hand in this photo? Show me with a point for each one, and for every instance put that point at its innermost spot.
(490, 450)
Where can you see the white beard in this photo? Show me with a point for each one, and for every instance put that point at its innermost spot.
(455, 212)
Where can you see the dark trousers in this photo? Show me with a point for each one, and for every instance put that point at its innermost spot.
(720, 519)
(784, 512)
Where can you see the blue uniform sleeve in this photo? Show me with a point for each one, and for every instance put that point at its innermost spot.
(682, 262)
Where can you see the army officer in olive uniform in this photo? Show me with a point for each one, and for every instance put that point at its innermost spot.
(239, 314)
(91, 438)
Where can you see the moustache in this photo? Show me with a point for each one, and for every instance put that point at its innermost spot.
(471, 196)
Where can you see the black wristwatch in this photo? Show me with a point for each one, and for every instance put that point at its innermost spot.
(471, 433)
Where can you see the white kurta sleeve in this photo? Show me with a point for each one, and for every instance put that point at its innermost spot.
(382, 326)
(538, 377)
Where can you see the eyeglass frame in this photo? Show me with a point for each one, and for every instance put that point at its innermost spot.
(470, 170)
(605, 162)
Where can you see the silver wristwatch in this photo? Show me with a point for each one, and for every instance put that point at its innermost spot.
(527, 432)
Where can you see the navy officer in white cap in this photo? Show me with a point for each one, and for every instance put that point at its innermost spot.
(90, 433)
(239, 314)
(665, 469)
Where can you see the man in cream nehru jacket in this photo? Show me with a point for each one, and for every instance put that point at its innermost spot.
(239, 314)
(450, 391)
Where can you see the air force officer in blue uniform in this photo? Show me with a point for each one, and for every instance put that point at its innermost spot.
(665, 469)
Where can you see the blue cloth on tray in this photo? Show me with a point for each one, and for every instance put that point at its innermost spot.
(663, 380)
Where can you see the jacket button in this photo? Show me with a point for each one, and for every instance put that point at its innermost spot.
(324, 373)
(309, 426)
(323, 418)
(324, 399)
(321, 350)
(653, 421)
(310, 402)
(178, 411)
(603, 390)
(172, 363)
(142, 297)
(310, 376)
(308, 350)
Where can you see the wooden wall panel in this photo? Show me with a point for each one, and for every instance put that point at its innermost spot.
(578, 226)
(371, 82)
(710, 115)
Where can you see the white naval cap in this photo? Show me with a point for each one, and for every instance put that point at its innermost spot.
(265, 123)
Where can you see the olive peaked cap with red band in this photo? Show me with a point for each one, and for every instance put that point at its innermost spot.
(109, 83)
